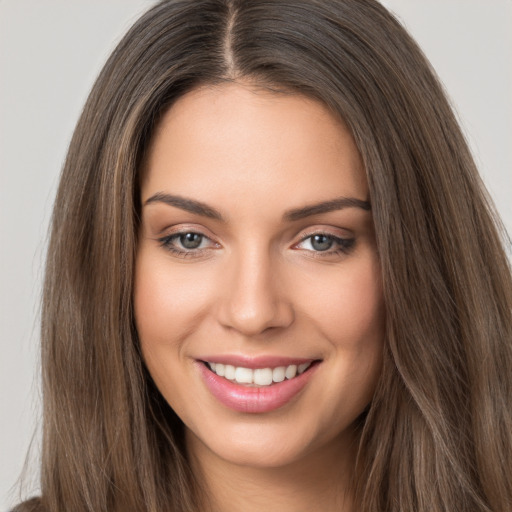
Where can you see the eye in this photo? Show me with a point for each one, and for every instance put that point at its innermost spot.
(187, 243)
(326, 243)
(321, 242)
(190, 240)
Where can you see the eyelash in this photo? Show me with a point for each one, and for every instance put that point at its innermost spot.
(345, 245)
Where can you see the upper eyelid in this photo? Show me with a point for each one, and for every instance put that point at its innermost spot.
(335, 232)
(319, 232)
(179, 229)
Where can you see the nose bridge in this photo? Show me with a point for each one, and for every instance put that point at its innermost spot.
(254, 299)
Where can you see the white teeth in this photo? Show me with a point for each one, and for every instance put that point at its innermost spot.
(263, 377)
(229, 372)
(291, 371)
(259, 376)
(243, 375)
(278, 374)
(301, 368)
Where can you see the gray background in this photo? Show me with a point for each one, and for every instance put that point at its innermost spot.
(50, 53)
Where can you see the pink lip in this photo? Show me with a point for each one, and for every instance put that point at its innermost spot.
(247, 399)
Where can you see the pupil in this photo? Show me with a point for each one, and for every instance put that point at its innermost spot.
(321, 242)
(191, 240)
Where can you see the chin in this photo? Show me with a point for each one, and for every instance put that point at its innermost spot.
(264, 444)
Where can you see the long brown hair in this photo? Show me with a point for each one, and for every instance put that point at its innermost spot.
(438, 434)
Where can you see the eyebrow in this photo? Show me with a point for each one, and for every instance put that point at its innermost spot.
(200, 208)
(189, 205)
(325, 207)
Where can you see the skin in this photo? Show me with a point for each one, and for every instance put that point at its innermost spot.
(258, 286)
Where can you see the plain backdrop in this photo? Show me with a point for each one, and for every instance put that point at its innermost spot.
(50, 54)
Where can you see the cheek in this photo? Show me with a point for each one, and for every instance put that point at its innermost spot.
(167, 306)
(168, 301)
(353, 321)
(351, 316)
(350, 308)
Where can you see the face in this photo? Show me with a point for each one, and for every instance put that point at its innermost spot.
(258, 296)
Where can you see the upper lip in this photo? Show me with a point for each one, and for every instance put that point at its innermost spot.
(262, 361)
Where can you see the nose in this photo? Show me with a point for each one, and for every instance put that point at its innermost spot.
(254, 298)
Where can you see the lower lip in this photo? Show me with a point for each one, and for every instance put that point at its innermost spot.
(254, 399)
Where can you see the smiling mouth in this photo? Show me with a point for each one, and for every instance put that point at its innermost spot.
(258, 377)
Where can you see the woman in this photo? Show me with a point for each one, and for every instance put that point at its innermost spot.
(274, 278)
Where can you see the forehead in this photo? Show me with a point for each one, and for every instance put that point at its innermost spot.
(235, 140)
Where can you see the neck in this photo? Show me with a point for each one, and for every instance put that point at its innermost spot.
(321, 480)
